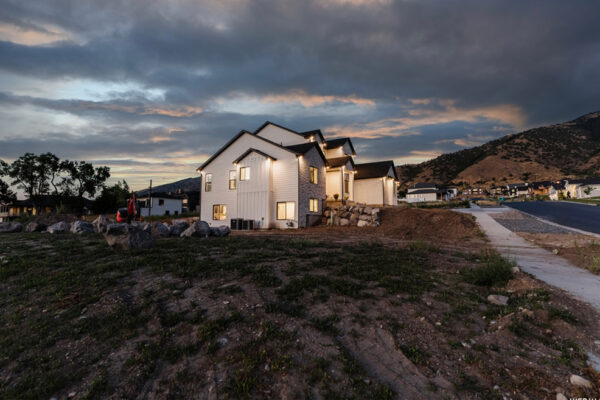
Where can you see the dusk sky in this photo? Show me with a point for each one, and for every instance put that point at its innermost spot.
(152, 88)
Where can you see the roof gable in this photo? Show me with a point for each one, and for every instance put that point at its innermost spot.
(303, 148)
(252, 150)
(335, 143)
(376, 170)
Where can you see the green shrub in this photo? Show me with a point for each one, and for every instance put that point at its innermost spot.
(494, 271)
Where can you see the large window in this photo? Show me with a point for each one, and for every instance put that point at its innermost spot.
(232, 180)
(245, 174)
(219, 212)
(313, 205)
(314, 175)
(208, 183)
(346, 183)
(286, 210)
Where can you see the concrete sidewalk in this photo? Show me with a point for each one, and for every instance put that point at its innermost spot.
(539, 262)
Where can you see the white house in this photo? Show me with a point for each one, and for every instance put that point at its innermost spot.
(422, 192)
(161, 204)
(376, 183)
(588, 188)
(279, 178)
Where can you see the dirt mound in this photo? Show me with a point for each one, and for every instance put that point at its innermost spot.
(412, 223)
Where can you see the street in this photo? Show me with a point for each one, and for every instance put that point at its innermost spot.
(578, 216)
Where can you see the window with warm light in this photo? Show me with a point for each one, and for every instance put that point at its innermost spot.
(313, 205)
(219, 212)
(314, 175)
(245, 174)
(286, 210)
(232, 180)
(208, 183)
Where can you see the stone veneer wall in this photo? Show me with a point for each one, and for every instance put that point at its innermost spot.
(307, 190)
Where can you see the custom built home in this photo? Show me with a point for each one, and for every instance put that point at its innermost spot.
(279, 178)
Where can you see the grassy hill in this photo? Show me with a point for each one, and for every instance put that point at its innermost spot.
(570, 149)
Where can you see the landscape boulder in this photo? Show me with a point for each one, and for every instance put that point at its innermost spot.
(178, 227)
(580, 381)
(344, 222)
(35, 227)
(197, 229)
(498, 299)
(100, 224)
(362, 223)
(127, 237)
(219, 231)
(59, 227)
(11, 227)
(82, 227)
(160, 229)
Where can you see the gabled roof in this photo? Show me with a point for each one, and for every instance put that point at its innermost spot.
(317, 132)
(423, 185)
(337, 162)
(236, 137)
(251, 150)
(375, 170)
(260, 128)
(425, 191)
(303, 148)
(335, 143)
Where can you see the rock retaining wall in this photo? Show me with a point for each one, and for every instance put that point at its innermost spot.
(357, 215)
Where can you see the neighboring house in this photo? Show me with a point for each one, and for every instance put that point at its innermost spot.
(540, 188)
(588, 188)
(45, 204)
(376, 183)
(190, 201)
(517, 189)
(555, 191)
(280, 178)
(475, 191)
(571, 186)
(423, 191)
(161, 204)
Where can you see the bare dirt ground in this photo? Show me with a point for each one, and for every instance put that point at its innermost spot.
(396, 312)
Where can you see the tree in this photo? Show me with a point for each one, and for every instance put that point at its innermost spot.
(84, 178)
(6, 195)
(53, 168)
(29, 175)
(112, 197)
(588, 190)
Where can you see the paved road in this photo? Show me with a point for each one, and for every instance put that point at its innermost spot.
(578, 216)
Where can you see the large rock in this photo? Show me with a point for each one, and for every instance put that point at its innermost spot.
(580, 381)
(59, 227)
(160, 229)
(11, 227)
(82, 227)
(127, 237)
(197, 229)
(498, 299)
(219, 231)
(344, 222)
(364, 217)
(100, 224)
(178, 227)
(35, 227)
(362, 222)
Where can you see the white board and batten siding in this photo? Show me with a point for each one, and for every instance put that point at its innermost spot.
(368, 191)
(275, 179)
(340, 151)
(162, 206)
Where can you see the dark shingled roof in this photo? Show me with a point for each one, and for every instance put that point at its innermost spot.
(335, 143)
(339, 161)
(423, 185)
(305, 147)
(375, 170)
(317, 132)
(424, 191)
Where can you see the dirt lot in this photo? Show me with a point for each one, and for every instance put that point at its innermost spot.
(396, 312)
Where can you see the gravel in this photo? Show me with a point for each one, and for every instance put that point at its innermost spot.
(525, 223)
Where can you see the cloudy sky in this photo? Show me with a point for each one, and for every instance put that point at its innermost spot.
(152, 88)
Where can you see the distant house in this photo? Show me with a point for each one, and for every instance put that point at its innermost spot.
(540, 188)
(556, 191)
(475, 191)
(422, 192)
(588, 188)
(45, 204)
(161, 204)
(517, 189)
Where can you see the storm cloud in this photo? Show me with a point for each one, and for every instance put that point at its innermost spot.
(152, 88)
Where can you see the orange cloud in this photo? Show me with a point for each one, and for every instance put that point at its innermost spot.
(311, 100)
(46, 34)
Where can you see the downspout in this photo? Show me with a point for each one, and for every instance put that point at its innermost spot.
(383, 191)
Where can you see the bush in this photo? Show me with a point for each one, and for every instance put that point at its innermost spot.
(495, 271)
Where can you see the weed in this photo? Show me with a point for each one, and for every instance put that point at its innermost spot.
(495, 271)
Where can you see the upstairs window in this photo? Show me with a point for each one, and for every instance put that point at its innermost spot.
(232, 180)
(245, 174)
(313, 205)
(286, 210)
(314, 175)
(208, 183)
(219, 212)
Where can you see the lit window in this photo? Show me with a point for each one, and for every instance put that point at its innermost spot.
(314, 205)
(245, 174)
(286, 210)
(208, 184)
(219, 212)
(314, 175)
(232, 180)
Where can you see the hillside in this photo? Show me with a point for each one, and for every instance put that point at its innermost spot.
(570, 149)
(187, 184)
